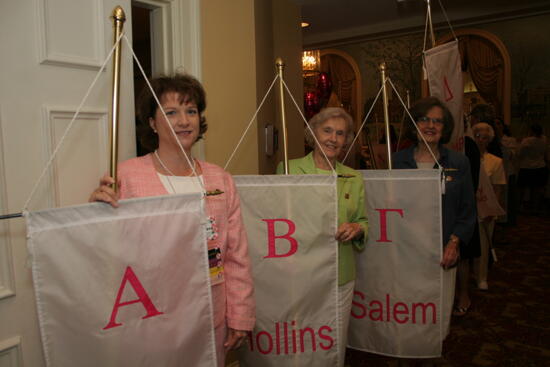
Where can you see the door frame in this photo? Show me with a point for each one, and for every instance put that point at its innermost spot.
(176, 26)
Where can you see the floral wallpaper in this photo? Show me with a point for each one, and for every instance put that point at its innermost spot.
(527, 44)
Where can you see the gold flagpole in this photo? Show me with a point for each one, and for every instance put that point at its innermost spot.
(118, 23)
(280, 67)
(386, 114)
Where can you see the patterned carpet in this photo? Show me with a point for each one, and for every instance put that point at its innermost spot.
(508, 325)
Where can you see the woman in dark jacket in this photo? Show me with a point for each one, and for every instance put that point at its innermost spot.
(435, 123)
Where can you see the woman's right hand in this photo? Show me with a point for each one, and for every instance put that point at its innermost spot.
(105, 192)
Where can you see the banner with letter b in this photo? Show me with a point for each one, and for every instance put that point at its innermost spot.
(291, 222)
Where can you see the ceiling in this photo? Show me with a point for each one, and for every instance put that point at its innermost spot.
(335, 22)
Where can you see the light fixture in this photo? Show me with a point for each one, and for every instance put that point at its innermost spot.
(305, 24)
(311, 62)
(469, 86)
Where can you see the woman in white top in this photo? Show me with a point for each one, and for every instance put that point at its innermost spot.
(492, 182)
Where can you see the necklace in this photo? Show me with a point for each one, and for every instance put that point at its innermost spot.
(426, 155)
(170, 172)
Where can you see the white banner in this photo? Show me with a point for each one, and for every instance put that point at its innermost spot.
(444, 71)
(291, 222)
(403, 298)
(123, 287)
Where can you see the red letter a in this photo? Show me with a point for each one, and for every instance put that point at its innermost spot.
(130, 276)
(448, 92)
(271, 249)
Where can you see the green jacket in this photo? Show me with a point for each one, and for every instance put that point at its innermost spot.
(351, 209)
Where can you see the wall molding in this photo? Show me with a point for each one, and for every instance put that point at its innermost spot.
(407, 27)
(10, 352)
(7, 278)
(51, 114)
(50, 56)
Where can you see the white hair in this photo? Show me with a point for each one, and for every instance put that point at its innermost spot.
(483, 127)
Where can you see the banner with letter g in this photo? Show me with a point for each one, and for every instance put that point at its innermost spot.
(401, 305)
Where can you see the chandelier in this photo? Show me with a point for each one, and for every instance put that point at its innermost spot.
(311, 62)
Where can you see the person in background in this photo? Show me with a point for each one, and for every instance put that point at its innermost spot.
(509, 147)
(489, 198)
(333, 129)
(486, 113)
(533, 172)
(472, 249)
(167, 171)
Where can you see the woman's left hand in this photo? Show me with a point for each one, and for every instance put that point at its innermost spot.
(348, 231)
(235, 339)
(450, 254)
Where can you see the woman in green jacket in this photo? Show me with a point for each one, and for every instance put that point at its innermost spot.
(333, 129)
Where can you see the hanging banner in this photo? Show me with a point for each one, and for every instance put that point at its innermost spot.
(402, 300)
(291, 222)
(444, 69)
(123, 287)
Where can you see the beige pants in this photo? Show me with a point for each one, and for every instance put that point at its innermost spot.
(481, 264)
(345, 296)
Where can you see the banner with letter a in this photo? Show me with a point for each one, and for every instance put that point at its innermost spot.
(123, 287)
(444, 70)
(291, 222)
(402, 300)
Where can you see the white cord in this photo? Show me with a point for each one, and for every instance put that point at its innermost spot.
(250, 123)
(448, 21)
(56, 150)
(414, 123)
(363, 123)
(309, 127)
(164, 114)
(425, 32)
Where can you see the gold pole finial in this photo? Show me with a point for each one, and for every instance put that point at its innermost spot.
(386, 114)
(118, 18)
(118, 14)
(280, 68)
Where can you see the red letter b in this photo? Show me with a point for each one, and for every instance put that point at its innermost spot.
(271, 249)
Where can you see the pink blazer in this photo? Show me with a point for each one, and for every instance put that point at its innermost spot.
(233, 300)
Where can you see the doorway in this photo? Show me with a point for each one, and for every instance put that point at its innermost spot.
(141, 42)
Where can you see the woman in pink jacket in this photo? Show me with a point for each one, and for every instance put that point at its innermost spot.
(166, 170)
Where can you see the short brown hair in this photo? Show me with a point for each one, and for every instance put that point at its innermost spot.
(190, 90)
(421, 109)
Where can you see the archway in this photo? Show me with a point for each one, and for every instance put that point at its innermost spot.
(488, 61)
(346, 79)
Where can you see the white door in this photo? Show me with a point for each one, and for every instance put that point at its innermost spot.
(51, 51)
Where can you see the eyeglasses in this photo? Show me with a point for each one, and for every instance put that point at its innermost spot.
(426, 119)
